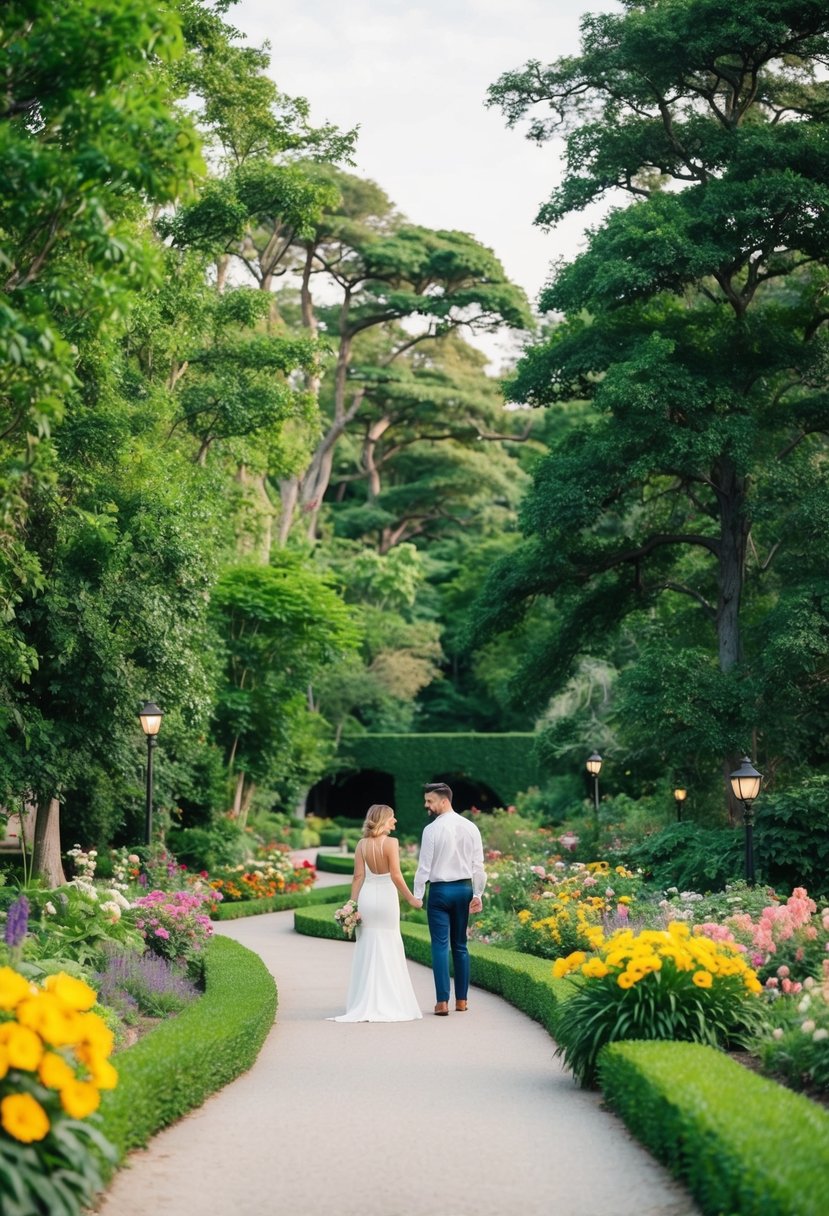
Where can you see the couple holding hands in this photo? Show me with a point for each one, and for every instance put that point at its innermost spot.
(452, 863)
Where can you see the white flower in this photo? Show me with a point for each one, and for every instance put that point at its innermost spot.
(50, 909)
(113, 912)
(804, 1004)
(809, 982)
(808, 1026)
(777, 1033)
(820, 1035)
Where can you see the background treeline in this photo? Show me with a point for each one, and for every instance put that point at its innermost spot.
(252, 466)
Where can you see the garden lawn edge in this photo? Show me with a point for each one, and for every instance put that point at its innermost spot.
(740, 1142)
(180, 1063)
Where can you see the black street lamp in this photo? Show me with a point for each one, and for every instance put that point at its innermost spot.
(150, 717)
(593, 765)
(745, 783)
(679, 797)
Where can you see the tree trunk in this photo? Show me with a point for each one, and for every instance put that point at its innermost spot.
(734, 531)
(47, 863)
(237, 795)
(247, 799)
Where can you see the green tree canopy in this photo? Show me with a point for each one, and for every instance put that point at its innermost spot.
(695, 325)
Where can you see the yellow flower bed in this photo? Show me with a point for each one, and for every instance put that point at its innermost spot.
(631, 956)
(54, 1054)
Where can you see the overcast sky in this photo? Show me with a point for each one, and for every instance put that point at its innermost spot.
(414, 78)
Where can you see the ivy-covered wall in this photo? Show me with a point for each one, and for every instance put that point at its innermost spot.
(506, 763)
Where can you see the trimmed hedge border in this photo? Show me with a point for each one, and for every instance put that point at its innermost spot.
(742, 1144)
(185, 1059)
(235, 910)
(335, 863)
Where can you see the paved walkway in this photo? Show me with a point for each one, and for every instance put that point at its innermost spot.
(468, 1115)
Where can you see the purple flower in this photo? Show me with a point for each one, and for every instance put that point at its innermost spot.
(17, 922)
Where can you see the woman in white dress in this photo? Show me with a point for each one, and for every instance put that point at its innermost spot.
(380, 989)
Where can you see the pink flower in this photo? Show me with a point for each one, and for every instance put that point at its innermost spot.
(783, 972)
(161, 932)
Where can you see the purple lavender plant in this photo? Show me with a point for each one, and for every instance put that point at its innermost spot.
(143, 983)
(17, 923)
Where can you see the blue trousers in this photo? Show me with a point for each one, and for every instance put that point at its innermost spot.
(447, 911)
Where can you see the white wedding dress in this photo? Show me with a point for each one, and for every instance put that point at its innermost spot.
(380, 989)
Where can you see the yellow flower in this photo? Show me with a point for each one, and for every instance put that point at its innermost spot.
(595, 969)
(49, 1017)
(54, 1071)
(13, 988)
(95, 1034)
(524, 916)
(102, 1073)
(23, 1118)
(74, 993)
(79, 1099)
(624, 899)
(626, 980)
(703, 979)
(23, 1047)
(4, 1061)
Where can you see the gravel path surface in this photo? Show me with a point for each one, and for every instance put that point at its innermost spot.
(468, 1115)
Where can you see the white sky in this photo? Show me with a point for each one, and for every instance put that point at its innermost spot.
(414, 78)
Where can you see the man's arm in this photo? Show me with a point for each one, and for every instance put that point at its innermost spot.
(424, 867)
(478, 871)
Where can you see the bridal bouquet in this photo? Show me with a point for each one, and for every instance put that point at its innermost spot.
(348, 917)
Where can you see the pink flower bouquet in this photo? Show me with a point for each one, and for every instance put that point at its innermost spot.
(348, 917)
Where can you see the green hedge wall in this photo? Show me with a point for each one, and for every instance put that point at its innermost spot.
(335, 863)
(187, 1058)
(741, 1143)
(506, 762)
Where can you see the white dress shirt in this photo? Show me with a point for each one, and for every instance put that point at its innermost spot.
(451, 849)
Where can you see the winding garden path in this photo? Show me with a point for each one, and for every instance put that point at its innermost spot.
(468, 1115)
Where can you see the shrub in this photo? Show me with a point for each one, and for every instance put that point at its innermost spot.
(654, 985)
(175, 924)
(143, 983)
(794, 1044)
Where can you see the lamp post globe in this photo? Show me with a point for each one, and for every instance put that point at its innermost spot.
(593, 764)
(680, 795)
(150, 717)
(745, 785)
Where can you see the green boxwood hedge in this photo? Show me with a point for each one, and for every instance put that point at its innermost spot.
(187, 1058)
(235, 910)
(335, 863)
(741, 1143)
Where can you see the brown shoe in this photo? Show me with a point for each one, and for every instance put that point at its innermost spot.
(460, 1006)
(442, 1009)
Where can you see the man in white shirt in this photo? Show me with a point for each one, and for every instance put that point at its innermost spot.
(452, 862)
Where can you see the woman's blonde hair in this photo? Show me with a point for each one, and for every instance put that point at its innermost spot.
(376, 817)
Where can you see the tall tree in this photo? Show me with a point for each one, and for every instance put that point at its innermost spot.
(385, 272)
(89, 138)
(695, 324)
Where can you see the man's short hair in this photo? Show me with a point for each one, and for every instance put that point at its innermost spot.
(440, 788)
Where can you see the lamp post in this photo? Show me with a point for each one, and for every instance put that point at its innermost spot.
(679, 797)
(593, 765)
(150, 717)
(745, 783)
